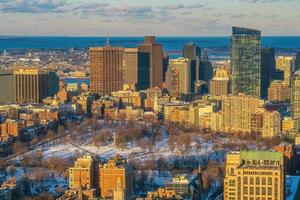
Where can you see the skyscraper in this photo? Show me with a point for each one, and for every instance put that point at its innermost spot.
(254, 175)
(7, 93)
(297, 61)
(286, 64)
(245, 61)
(106, 64)
(33, 85)
(219, 85)
(267, 70)
(193, 52)
(130, 64)
(295, 95)
(165, 65)
(179, 76)
(156, 60)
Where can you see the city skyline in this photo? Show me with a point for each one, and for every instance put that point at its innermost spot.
(138, 18)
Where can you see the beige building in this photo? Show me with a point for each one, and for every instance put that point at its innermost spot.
(31, 85)
(155, 51)
(288, 124)
(279, 91)
(285, 63)
(81, 175)
(106, 69)
(237, 112)
(254, 175)
(220, 85)
(217, 121)
(179, 76)
(271, 123)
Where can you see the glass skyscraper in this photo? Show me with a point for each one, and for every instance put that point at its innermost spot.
(245, 61)
(295, 96)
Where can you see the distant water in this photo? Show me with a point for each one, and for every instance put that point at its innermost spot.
(77, 80)
(217, 47)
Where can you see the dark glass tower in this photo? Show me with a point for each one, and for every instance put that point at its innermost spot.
(268, 69)
(297, 61)
(193, 53)
(143, 71)
(245, 61)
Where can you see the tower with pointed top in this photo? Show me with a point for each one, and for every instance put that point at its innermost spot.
(200, 177)
(119, 192)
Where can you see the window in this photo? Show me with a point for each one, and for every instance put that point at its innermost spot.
(257, 181)
(263, 181)
(245, 180)
(269, 181)
(251, 181)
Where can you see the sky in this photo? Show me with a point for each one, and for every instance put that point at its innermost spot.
(147, 17)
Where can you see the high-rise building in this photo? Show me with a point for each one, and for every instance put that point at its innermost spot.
(206, 70)
(81, 175)
(33, 85)
(297, 61)
(254, 175)
(106, 64)
(271, 123)
(130, 64)
(112, 173)
(245, 61)
(193, 52)
(179, 76)
(295, 96)
(286, 64)
(155, 51)
(165, 65)
(143, 71)
(6, 86)
(237, 111)
(119, 191)
(267, 70)
(279, 91)
(219, 85)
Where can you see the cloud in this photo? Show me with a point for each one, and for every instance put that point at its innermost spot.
(238, 16)
(32, 6)
(265, 1)
(184, 7)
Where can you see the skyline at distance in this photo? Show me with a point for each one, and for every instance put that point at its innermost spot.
(141, 17)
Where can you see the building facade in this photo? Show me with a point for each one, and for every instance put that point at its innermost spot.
(286, 64)
(106, 69)
(155, 52)
(295, 96)
(7, 88)
(254, 175)
(245, 61)
(220, 85)
(279, 91)
(268, 69)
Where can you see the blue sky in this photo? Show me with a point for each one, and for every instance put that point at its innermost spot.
(145, 17)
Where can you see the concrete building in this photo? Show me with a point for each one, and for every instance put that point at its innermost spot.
(237, 112)
(111, 173)
(295, 97)
(179, 77)
(286, 64)
(106, 69)
(220, 85)
(279, 91)
(297, 61)
(81, 175)
(271, 124)
(246, 61)
(130, 64)
(254, 175)
(33, 85)
(155, 51)
(6, 86)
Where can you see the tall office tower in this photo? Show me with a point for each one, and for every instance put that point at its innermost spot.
(295, 96)
(6, 86)
(193, 52)
(254, 175)
(112, 174)
(143, 71)
(165, 65)
(130, 64)
(297, 61)
(267, 70)
(155, 51)
(245, 61)
(53, 84)
(219, 85)
(32, 85)
(279, 91)
(179, 77)
(206, 70)
(237, 112)
(106, 64)
(81, 175)
(286, 64)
